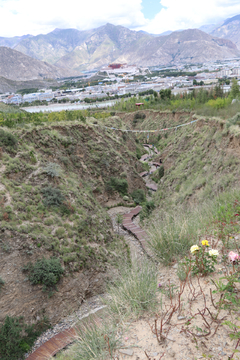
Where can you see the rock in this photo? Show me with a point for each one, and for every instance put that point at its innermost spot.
(175, 266)
(171, 353)
(181, 317)
(128, 352)
(170, 338)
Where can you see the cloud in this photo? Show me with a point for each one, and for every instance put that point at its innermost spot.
(185, 14)
(18, 17)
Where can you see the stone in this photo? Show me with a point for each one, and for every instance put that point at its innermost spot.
(182, 317)
(128, 352)
(170, 338)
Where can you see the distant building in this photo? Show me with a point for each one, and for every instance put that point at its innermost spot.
(14, 99)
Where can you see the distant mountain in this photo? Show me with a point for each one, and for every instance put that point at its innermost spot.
(230, 29)
(188, 46)
(209, 28)
(105, 45)
(54, 45)
(12, 41)
(118, 44)
(86, 50)
(17, 66)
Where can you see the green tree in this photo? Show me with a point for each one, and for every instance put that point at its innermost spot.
(234, 93)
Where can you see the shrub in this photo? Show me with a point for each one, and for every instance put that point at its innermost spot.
(119, 185)
(52, 196)
(46, 272)
(48, 222)
(66, 208)
(17, 338)
(7, 139)
(147, 209)
(60, 232)
(138, 196)
(161, 172)
(52, 169)
(139, 115)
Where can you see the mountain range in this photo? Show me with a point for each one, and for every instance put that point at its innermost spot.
(67, 52)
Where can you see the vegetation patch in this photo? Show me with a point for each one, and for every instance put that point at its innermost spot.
(46, 272)
(17, 338)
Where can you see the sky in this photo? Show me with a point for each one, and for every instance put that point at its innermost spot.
(21, 17)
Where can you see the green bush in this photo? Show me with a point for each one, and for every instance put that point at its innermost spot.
(49, 222)
(7, 139)
(52, 169)
(139, 115)
(147, 209)
(161, 172)
(17, 338)
(138, 196)
(46, 272)
(119, 185)
(52, 196)
(60, 232)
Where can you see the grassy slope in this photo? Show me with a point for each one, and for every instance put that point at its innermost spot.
(88, 158)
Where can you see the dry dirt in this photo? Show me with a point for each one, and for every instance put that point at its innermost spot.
(196, 329)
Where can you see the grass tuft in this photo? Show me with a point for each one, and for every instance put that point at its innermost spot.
(134, 292)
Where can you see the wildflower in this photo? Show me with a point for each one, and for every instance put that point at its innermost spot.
(205, 243)
(159, 285)
(236, 215)
(194, 248)
(213, 252)
(233, 256)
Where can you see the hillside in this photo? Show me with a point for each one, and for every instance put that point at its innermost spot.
(14, 65)
(230, 29)
(54, 187)
(179, 47)
(188, 46)
(85, 50)
(7, 85)
(58, 179)
(54, 45)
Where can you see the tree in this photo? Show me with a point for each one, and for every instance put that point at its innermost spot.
(234, 93)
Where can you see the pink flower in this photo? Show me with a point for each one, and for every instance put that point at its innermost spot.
(233, 256)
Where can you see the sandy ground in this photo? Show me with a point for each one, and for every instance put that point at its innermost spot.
(139, 338)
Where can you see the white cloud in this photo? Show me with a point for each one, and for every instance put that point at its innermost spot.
(18, 17)
(187, 14)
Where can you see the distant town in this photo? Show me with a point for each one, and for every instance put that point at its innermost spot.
(118, 80)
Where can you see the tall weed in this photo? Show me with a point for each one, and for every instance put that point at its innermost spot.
(172, 232)
(134, 292)
(96, 339)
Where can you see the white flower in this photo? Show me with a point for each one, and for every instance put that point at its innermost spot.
(213, 252)
(194, 248)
